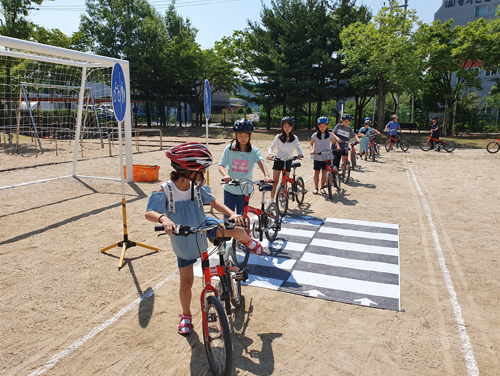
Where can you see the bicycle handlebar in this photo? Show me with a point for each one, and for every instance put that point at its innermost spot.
(237, 183)
(185, 230)
(275, 158)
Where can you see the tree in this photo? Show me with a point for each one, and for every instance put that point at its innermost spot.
(455, 53)
(386, 50)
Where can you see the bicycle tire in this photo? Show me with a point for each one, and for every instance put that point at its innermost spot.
(353, 160)
(235, 247)
(299, 188)
(329, 183)
(388, 146)
(425, 145)
(224, 294)
(448, 146)
(405, 145)
(234, 286)
(346, 174)
(271, 222)
(219, 347)
(372, 151)
(493, 147)
(377, 149)
(282, 200)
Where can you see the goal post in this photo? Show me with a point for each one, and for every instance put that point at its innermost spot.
(94, 72)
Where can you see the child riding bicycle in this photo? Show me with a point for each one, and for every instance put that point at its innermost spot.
(285, 143)
(175, 203)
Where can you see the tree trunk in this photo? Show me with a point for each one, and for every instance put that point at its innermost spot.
(268, 119)
(319, 108)
(381, 104)
(309, 121)
(180, 113)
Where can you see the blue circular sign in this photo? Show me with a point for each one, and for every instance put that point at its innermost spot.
(208, 100)
(119, 92)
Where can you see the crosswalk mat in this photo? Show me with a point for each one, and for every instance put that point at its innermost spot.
(348, 261)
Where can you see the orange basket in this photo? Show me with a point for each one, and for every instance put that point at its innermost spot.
(144, 172)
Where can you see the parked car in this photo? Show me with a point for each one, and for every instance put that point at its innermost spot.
(106, 114)
(139, 113)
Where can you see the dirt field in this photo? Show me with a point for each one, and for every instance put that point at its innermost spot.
(65, 308)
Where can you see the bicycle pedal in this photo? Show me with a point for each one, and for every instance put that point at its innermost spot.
(242, 275)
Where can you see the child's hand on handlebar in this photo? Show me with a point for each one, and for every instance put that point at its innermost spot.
(268, 180)
(168, 225)
(238, 219)
(226, 179)
(300, 156)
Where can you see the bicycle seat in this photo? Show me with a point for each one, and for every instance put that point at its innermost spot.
(218, 241)
(265, 188)
(295, 164)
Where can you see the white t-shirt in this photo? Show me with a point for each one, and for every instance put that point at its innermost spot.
(321, 144)
(285, 149)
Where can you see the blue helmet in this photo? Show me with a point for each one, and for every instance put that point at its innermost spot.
(367, 118)
(323, 120)
(243, 126)
(287, 119)
(346, 117)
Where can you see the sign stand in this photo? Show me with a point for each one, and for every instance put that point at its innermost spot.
(120, 108)
(208, 106)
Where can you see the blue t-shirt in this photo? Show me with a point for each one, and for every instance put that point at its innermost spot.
(239, 165)
(435, 130)
(187, 212)
(393, 128)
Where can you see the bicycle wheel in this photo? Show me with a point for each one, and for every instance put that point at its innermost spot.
(404, 145)
(449, 146)
(493, 147)
(224, 295)
(233, 285)
(299, 188)
(346, 174)
(388, 146)
(425, 145)
(353, 160)
(282, 200)
(238, 248)
(372, 152)
(377, 149)
(329, 183)
(218, 345)
(271, 222)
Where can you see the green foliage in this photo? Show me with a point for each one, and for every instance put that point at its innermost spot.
(240, 110)
(248, 110)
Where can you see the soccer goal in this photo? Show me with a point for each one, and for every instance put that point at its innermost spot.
(51, 95)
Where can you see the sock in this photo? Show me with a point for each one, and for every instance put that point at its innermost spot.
(271, 200)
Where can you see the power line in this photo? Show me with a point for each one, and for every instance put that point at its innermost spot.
(155, 4)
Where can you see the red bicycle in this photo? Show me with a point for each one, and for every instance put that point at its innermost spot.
(397, 142)
(493, 147)
(216, 332)
(332, 175)
(297, 190)
(372, 148)
(352, 153)
(448, 146)
(267, 223)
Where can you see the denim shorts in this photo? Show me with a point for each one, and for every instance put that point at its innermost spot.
(181, 263)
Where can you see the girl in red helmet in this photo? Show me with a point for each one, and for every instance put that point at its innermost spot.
(180, 201)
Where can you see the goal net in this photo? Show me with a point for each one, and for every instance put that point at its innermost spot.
(58, 100)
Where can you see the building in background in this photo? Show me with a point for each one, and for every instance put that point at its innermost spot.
(463, 12)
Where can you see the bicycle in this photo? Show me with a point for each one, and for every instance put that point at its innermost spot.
(352, 153)
(216, 332)
(297, 191)
(397, 142)
(332, 176)
(372, 148)
(267, 222)
(493, 147)
(448, 146)
(345, 170)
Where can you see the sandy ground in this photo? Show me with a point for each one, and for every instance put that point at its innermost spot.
(65, 308)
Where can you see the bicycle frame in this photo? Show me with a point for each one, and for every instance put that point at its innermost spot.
(287, 179)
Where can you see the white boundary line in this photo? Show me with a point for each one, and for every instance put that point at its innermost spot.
(99, 328)
(470, 361)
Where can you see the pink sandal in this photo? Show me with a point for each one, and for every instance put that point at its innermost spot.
(185, 327)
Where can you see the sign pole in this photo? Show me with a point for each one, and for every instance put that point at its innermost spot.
(120, 108)
(208, 107)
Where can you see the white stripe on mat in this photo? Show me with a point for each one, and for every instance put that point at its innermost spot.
(268, 283)
(356, 247)
(345, 284)
(296, 232)
(302, 221)
(349, 263)
(363, 223)
(359, 234)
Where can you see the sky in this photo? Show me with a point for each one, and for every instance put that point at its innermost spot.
(214, 19)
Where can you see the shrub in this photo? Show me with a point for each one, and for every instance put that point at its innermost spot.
(240, 110)
(248, 110)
